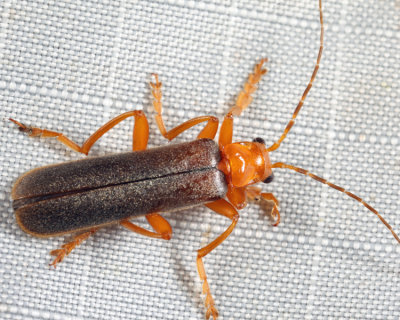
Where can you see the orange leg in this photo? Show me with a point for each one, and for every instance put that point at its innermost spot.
(242, 102)
(140, 132)
(226, 131)
(244, 98)
(68, 247)
(255, 193)
(161, 227)
(209, 131)
(224, 208)
(237, 196)
(159, 224)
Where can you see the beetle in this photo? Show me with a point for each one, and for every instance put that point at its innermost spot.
(86, 195)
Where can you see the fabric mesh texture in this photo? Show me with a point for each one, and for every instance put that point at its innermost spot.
(72, 66)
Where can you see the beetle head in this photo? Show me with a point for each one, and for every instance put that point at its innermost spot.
(247, 163)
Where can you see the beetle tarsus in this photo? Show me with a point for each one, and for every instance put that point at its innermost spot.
(276, 215)
(244, 98)
(22, 127)
(60, 254)
(254, 193)
(68, 247)
(209, 300)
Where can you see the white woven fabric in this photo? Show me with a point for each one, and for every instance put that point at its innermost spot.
(71, 66)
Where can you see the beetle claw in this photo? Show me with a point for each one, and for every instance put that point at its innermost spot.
(276, 215)
(60, 254)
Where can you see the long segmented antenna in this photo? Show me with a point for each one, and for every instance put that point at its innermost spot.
(305, 93)
(334, 186)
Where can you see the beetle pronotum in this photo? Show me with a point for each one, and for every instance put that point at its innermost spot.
(88, 194)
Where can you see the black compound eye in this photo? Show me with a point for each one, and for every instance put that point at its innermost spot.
(259, 140)
(269, 179)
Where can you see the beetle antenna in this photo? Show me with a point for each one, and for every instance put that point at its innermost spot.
(307, 90)
(334, 186)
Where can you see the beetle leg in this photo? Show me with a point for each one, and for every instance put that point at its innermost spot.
(242, 102)
(68, 247)
(275, 212)
(159, 224)
(254, 193)
(209, 131)
(140, 132)
(161, 227)
(226, 131)
(224, 208)
(237, 196)
(244, 98)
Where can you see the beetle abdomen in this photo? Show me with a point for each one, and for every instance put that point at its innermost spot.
(92, 192)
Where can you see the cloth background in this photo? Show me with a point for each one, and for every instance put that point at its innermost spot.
(72, 66)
